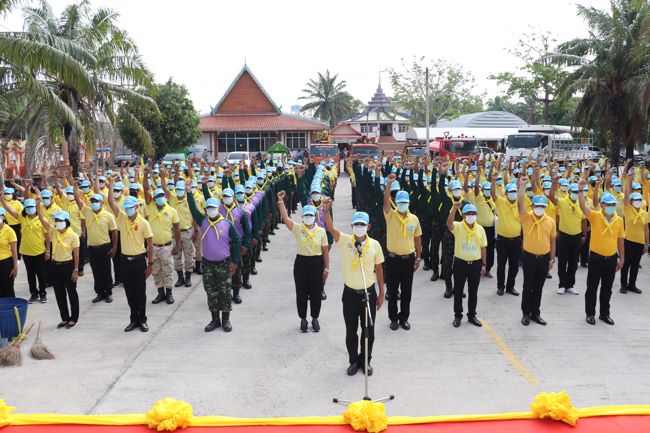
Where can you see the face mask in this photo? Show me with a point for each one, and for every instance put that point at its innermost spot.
(9, 197)
(402, 207)
(563, 188)
(210, 184)
(470, 219)
(69, 196)
(308, 219)
(249, 191)
(236, 178)
(47, 201)
(96, 206)
(499, 182)
(637, 204)
(30, 210)
(610, 210)
(240, 196)
(219, 180)
(617, 188)
(529, 193)
(512, 196)
(456, 193)
(487, 192)
(212, 212)
(359, 231)
(180, 193)
(573, 196)
(529, 172)
(259, 181)
(60, 225)
(407, 178)
(132, 179)
(130, 211)
(424, 182)
(85, 190)
(227, 200)
(160, 201)
(539, 211)
(269, 175)
(117, 194)
(315, 197)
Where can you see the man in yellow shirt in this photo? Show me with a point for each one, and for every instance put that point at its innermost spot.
(10, 197)
(470, 254)
(485, 208)
(572, 234)
(404, 245)
(539, 233)
(607, 233)
(8, 257)
(636, 240)
(508, 237)
(137, 261)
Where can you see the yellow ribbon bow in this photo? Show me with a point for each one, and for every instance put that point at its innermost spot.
(363, 252)
(213, 225)
(169, 414)
(310, 235)
(555, 405)
(366, 415)
(609, 225)
(60, 240)
(536, 224)
(403, 221)
(130, 225)
(471, 231)
(637, 214)
(5, 413)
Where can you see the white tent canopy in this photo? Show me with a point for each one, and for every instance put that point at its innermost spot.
(481, 134)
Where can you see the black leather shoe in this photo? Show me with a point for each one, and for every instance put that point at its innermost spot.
(264, 248)
(214, 323)
(188, 281)
(227, 327)
(237, 299)
(108, 299)
(323, 295)
(144, 327)
(117, 283)
(394, 325)
(315, 326)
(488, 275)
(635, 290)
(247, 285)
(456, 322)
(434, 277)
(369, 370)
(303, 325)
(591, 320)
(525, 320)
(447, 294)
(160, 297)
(97, 299)
(623, 289)
(539, 320)
(500, 291)
(352, 369)
(168, 296)
(131, 327)
(405, 325)
(426, 267)
(474, 321)
(549, 276)
(259, 260)
(513, 292)
(253, 271)
(606, 319)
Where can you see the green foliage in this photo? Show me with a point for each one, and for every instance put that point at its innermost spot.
(328, 100)
(451, 89)
(174, 129)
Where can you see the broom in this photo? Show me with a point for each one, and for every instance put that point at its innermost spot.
(39, 350)
(11, 355)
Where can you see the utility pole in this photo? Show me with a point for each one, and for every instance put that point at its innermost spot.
(426, 101)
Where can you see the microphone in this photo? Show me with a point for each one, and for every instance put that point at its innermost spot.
(359, 249)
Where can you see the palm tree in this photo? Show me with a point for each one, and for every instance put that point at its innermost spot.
(328, 99)
(612, 72)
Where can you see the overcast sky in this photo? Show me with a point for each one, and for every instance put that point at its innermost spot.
(203, 44)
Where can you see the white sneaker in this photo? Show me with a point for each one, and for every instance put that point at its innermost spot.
(560, 290)
(572, 291)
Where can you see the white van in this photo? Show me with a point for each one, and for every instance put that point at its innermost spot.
(235, 157)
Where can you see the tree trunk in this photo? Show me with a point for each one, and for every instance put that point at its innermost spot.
(70, 136)
(629, 152)
(616, 113)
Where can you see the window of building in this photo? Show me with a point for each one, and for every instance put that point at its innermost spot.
(245, 141)
(403, 127)
(296, 140)
(366, 128)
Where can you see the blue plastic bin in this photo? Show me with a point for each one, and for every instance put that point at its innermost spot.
(8, 325)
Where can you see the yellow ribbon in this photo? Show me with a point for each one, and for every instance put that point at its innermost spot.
(60, 240)
(471, 232)
(536, 224)
(355, 262)
(403, 221)
(317, 209)
(637, 215)
(212, 224)
(573, 205)
(608, 225)
(130, 225)
(229, 215)
(311, 235)
(159, 213)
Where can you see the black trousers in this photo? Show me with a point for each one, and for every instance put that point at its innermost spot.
(100, 263)
(633, 254)
(399, 276)
(426, 241)
(508, 252)
(35, 266)
(135, 285)
(437, 232)
(65, 288)
(117, 261)
(489, 258)
(602, 271)
(18, 237)
(83, 252)
(354, 307)
(584, 250)
(354, 197)
(568, 254)
(469, 272)
(6, 282)
(308, 277)
(535, 270)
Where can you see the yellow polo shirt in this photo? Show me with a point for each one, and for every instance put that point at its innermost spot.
(485, 207)
(18, 207)
(605, 234)
(71, 207)
(509, 224)
(309, 242)
(635, 222)
(183, 209)
(98, 226)
(571, 216)
(372, 255)
(7, 237)
(133, 234)
(32, 240)
(401, 232)
(538, 233)
(162, 222)
(468, 241)
(63, 244)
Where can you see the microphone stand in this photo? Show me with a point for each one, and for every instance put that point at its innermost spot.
(367, 322)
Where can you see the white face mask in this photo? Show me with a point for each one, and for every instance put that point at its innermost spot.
(456, 193)
(512, 196)
(60, 225)
(212, 212)
(563, 188)
(70, 196)
(117, 194)
(180, 193)
(573, 196)
(308, 219)
(470, 219)
(547, 191)
(539, 211)
(227, 200)
(487, 192)
(403, 207)
(359, 231)
(637, 204)
(316, 197)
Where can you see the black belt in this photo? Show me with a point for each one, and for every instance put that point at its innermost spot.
(537, 256)
(600, 256)
(579, 235)
(396, 256)
(99, 246)
(227, 259)
(163, 245)
(469, 262)
(67, 262)
(130, 258)
(358, 291)
(186, 230)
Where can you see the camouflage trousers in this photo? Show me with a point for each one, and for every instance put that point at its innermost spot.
(216, 282)
(246, 260)
(236, 278)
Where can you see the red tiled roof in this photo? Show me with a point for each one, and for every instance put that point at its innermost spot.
(236, 123)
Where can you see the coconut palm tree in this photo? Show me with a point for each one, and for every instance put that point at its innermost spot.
(612, 72)
(328, 99)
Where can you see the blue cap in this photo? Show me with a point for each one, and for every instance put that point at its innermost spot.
(117, 186)
(180, 185)
(636, 196)
(394, 186)
(576, 171)
(562, 169)
(486, 185)
(574, 187)
(158, 191)
(546, 178)
(564, 181)
(469, 208)
(68, 190)
(212, 202)
(46, 193)
(211, 179)
(239, 188)
(228, 192)
(102, 178)
(636, 185)
(360, 217)
(249, 184)
(540, 200)
(592, 178)
(511, 187)
(220, 174)
(308, 210)
(134, 186)
(30, 202)
(97, 197)
(546, 185)
(402, 197)
(62, 215)
(315, 187)
(455, 184)
(607, 198)
(130, 202)
(617, 182)
(84, 182)
(9, 190)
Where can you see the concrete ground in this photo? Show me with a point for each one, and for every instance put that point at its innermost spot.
(267, 368)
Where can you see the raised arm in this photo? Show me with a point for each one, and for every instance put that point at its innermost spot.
(521, 198)
(111, 198)
(389, 181)
(327, 204)
(283, 211)
(581, 198)
(628, 191)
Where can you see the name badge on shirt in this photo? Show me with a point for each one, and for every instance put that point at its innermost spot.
(410, 228)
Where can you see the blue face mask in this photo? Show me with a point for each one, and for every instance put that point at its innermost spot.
(402, 207)
(85, 190)
(617, 188)
(529, 172)
(240, 196)
(499, 182)
(96, 206)
(30, 210)
(160, 201)
(130, 211)
(610, 210)
(47, 201)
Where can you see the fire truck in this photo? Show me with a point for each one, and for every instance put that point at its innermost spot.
(453, 147)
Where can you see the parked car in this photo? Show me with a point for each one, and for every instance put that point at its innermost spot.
(130, 159)
(235, 157)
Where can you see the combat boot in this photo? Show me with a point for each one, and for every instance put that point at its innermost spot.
(161, 296)
(246, 284)
(168, 296)
(227, 327)
(180, 280)
(235, 296)
(188, 281)
(214, 324)
(197, 268)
